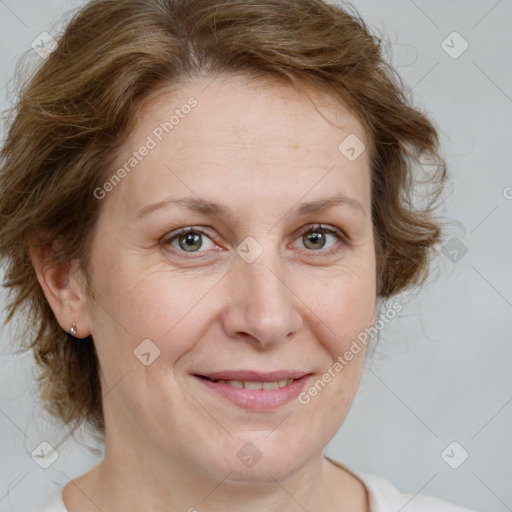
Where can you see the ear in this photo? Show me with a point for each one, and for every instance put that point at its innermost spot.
(64, 288)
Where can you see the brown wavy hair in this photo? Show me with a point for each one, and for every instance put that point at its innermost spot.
(79, 106)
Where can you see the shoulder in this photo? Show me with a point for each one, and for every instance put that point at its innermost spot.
(53, 503)
(384, 495)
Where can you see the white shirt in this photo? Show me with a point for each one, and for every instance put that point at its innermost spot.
(384, 497)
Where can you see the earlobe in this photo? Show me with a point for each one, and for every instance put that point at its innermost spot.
(64, 288)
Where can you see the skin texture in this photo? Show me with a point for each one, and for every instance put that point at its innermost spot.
(171, 443)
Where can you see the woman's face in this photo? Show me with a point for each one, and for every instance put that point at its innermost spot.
(188, 325)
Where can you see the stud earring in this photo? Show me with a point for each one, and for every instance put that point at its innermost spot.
(72, 330)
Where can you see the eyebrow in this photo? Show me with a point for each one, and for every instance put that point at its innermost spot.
(207, 207)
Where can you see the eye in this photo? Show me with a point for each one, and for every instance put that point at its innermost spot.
(316, 238)
(321, 238)
(189, 240)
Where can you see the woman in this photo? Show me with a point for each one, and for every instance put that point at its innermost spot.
(204, 203)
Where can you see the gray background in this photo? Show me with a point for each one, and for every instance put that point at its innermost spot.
(442, 370)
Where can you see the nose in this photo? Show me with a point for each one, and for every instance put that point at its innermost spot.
(263, 308)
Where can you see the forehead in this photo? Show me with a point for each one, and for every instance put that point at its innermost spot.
(219, 134)
(252, 108)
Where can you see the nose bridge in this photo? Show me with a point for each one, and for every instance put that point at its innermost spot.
(263, 304)
(267, 286)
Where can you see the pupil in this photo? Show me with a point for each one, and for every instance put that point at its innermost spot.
(315, 238)
(190, 242)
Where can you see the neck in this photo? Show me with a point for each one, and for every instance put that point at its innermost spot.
(176, 487)
(138, 475)
(137, 480)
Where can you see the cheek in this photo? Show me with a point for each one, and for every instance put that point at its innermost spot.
(175, 308)
(346, 307)
(139, 303)
(345, 304)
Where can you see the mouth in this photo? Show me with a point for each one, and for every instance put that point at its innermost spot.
(252, 384)
(255, 390)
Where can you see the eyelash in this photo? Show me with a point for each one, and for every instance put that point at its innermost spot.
(314, 228)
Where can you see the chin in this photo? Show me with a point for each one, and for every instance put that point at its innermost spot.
(256, 457)
(268, 470)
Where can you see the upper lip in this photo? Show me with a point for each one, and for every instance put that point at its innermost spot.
(254, 376)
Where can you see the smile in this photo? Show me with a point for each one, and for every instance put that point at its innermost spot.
(247, 384)
(253, 390)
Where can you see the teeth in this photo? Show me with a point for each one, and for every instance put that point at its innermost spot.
(253, 385)
(257, 385)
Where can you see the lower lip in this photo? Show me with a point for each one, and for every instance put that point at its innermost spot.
(257, 399)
